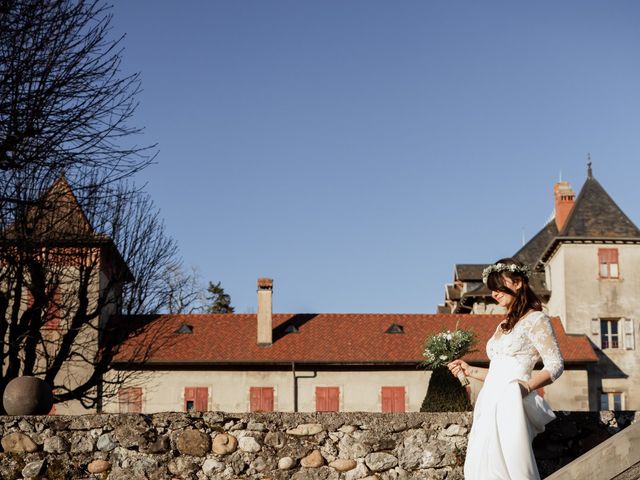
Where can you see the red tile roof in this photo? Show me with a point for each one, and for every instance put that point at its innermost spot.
(322, 338)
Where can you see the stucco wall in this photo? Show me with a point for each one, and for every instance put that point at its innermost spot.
(569, 392)
(360, 391)
(229, 390)
(579, 295)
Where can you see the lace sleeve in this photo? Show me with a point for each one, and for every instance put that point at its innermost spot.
(541, 335)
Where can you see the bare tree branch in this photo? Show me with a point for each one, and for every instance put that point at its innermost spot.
(79, 242)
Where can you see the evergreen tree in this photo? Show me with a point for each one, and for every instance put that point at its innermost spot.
(445, 393)
(218, 301)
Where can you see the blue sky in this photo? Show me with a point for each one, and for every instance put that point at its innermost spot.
(355, 151)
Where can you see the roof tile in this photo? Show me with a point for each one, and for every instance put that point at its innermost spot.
(322, 338)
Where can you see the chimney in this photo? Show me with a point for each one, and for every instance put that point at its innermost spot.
(564, 198)
(265, 312)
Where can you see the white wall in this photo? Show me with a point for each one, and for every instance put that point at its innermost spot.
(229, 390)
(580, 295)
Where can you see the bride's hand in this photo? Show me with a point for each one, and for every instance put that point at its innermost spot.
(458, 365)
(525, 389)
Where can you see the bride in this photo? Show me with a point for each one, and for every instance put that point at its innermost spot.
(509, 412)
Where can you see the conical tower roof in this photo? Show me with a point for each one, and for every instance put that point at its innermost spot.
(596, 215)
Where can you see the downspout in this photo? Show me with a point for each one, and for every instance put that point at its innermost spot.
(295, 387)
(295, 384)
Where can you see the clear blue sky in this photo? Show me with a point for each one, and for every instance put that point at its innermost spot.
(355, 151)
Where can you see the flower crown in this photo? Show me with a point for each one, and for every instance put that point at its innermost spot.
(523, 270)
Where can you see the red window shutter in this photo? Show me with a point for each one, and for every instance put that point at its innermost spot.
(614, 255)
(393, 399)
(254, 399)
(608, 255)
(52, 315)
(333, 399)
(261, 399)
(189, 398)
(387, 399)
(130, 400)
(398, 400)
(321, 399)
(606, 258)
(327, 399)
(202, 399)
(267, 399)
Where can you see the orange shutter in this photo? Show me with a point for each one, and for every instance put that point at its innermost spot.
(261, 399)
(130, 400)
(254, 399)
(333, 399)
(327, 399)
(52, 315)
(267, 399)
(608, 255)
(189, 398)
(393, 399)
(321, 399)
(202, 399)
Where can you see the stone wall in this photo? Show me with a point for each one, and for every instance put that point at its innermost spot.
(277, 446)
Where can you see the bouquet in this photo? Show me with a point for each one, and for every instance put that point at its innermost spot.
(445, 347)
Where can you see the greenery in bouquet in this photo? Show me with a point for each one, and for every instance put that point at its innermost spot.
(446, 346)
(446, 393)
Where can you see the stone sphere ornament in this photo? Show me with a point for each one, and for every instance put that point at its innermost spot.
(27, 396)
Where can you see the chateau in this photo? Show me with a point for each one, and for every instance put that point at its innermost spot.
(586, 263)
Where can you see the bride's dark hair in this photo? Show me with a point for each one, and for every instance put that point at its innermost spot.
(524, 299)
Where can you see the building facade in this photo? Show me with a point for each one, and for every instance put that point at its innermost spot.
(312, 362)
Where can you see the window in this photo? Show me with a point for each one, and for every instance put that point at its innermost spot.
(609, 333)
(196, 399)
(261, 399)
(327, 399)
(395, 328)
(130, 400)
(393, 399)
(608, 263)
(611, 401)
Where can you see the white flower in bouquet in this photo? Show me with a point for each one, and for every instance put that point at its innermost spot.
(445, 347)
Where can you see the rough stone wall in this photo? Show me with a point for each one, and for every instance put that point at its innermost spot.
(278, 446)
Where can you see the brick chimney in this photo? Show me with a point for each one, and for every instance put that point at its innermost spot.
(265, 312)
(564, 198)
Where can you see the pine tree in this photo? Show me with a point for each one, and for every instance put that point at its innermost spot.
(218, 301)
(445, 393)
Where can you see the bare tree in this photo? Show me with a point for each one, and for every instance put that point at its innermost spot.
(79, 243)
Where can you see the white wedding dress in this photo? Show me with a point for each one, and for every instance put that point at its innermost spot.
(504, 423)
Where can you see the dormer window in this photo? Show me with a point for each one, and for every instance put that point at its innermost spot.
(395, 328)
(608, 263)
(291, 329)
(185, 328)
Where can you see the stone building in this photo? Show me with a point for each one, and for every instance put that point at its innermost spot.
(586, 264)
(66, 289)
(312, 362)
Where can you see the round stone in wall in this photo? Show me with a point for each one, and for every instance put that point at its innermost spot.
(223, 444)
(27, 396)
